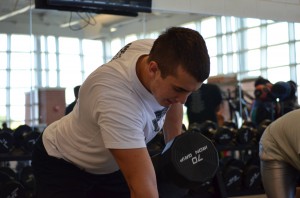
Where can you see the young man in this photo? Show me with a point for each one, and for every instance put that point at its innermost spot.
(204, 104)
(99, 149)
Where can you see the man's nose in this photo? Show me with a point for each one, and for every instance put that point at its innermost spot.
(182, 98)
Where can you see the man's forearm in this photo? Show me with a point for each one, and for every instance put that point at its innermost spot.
(173, 122)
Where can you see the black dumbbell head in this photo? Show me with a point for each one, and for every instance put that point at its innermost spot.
(27, 178)
(193, 159)
(6, 142)
(245, 135)
(10, 187)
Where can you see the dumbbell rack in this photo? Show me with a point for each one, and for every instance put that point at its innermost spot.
(221, 185)
(15, 155)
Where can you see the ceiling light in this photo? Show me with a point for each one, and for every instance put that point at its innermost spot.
(16, 12)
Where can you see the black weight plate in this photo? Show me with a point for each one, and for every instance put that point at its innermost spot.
(194, 157)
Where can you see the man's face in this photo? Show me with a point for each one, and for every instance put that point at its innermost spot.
(173, 89)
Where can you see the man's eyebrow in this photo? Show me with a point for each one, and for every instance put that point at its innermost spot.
(181, 89)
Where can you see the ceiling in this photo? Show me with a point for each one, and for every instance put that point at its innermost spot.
(42, 16)
(21, 16)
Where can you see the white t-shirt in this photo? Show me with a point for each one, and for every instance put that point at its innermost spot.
(281, 140)
(114, 110)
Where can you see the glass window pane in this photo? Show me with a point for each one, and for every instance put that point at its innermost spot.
(115, 46)
(3, 79)
(279, 74)
(213, 66)
(51, 44)
(90, 63)
(68, 45)
(20, 78)
(153, 35)
(225, 65)
(92, 47)
(234, 42)
(224, 44)
(3, 42)
(211, 46)
(53, 79)
(235, 65)
(130, 38)
(3, 62)
(250, 22)
(42, 43)
(253, 59)
(70, 78)
(17, 96)
(52, 63)
(298, 52)
(277, 33)
(3, 97)
(208, 27)
(191, 25)
(21, 43)
(69, 62)
(297, 31)
(17, 113)
(278, 55)
(223, 24)
(253, 38)
(2, 112)
(20, 61)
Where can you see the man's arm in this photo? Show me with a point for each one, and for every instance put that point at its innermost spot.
(138, 171)
(173, 122)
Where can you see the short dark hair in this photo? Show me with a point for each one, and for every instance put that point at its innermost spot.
(261, 81)
(181, 46)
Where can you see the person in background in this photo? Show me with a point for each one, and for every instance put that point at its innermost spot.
(204, 104)
(279, 153)
(99, 150)
(264, 105)
(70, 107)
(291, 102)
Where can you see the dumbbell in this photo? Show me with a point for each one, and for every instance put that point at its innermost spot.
(251, 174)
(188, 160)
(246, 133)
(232, 172)
(25, 137)
(27, 179)
(224, 135)
(9, 187)
(207, 128)
(6, 142)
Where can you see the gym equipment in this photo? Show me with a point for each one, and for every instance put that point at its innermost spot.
(9, 187)
(224, 135)
(188, 160)
(6, 142)
(207, 128)
(232, 170)
(26, 177)
(25, 137)
(251, 174)
(246, 133)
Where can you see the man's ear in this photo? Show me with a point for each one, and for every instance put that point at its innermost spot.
(153, 67)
